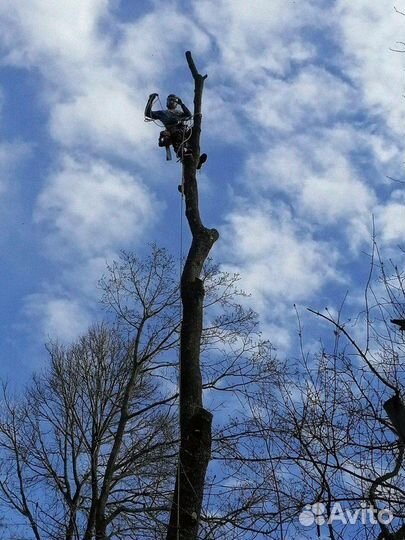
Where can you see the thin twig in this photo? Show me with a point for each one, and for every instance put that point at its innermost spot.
(354, 344)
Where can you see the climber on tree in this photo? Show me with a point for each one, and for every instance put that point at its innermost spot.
(176, 132)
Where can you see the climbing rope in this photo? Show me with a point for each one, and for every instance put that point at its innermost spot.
(179, 465)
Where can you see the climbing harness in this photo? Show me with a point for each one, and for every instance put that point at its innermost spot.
(177, 137)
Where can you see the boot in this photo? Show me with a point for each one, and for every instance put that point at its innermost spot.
(202, 160)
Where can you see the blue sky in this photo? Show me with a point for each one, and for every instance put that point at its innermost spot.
(303, 122)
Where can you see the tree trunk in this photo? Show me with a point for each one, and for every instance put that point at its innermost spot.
(195, 421)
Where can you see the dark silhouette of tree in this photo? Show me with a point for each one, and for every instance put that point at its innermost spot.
(90, 446)
(90, 449)
(329, 430)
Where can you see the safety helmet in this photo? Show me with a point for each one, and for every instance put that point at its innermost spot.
(172, 97)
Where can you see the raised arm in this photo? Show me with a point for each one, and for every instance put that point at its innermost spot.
(148, 109)
(186, 111)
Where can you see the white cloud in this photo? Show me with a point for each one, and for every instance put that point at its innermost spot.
(221, 117)
(253, 46)
(45, 33)
(312, 97)
(389, 222)
(319, 178)
(90, 208)
(336, 196)
(148, 51)
(58, 318)
(326, 185)
(104, 116)
(252, 37)
(90, 101)
(278, 261)
(383, 148)
(367, 31)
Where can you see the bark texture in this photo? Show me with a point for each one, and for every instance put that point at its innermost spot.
(195, 421)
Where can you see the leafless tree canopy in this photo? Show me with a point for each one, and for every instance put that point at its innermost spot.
(90, 448)
(329, 429)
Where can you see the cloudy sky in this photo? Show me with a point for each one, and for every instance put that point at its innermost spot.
(303, 124)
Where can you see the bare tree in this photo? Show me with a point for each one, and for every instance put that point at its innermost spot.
(97, 427)
(331, 434)
(90, 450)
(70, 464)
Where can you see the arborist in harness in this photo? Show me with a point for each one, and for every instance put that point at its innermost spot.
(176, 132)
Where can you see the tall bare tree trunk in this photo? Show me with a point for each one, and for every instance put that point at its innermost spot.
(195, 421)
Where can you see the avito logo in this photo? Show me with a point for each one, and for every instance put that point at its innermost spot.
(316, 514)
